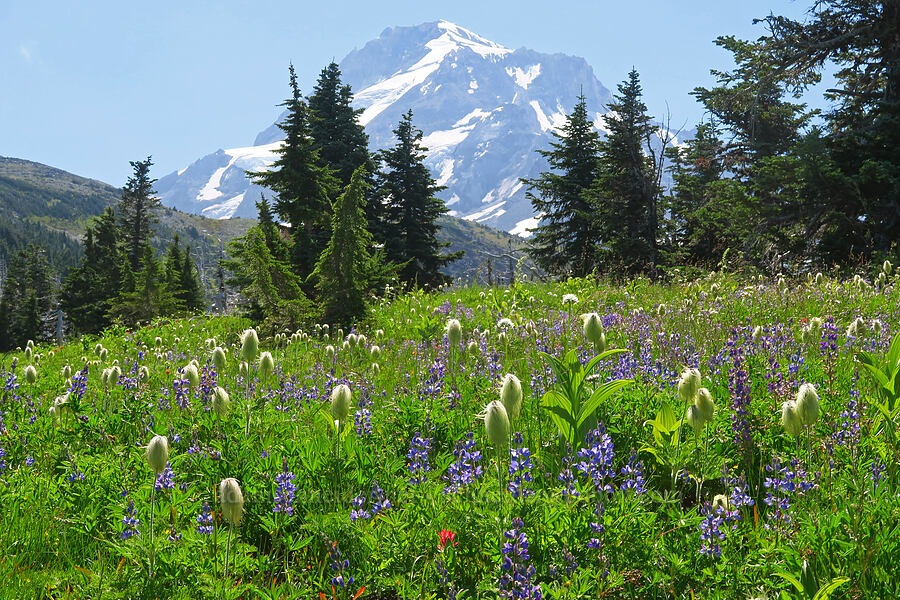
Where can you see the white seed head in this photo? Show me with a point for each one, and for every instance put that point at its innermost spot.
(66, 372)
(454, 332)
(569, 299)
(496, 424)
(266, 365)
(29, 353)
(220, 402)
(757, 331)
(505, 323)
(362, 340)
(694, 419)
(721, 500)
(329, 352)
(231, 499)
(103, 354)
(375, 352)
(472, 348)
(352, 339)
(219, 360)
(191, 374)
(790, 420)
(244, 369)
(375, 369)
(807, 404)
(144, 373)
(340, 402)
(819, 278)
(157, 341)
(30, 374)
(113, 377)
(593, 328)
(501, 338)
(249, 345)
(158, 453)
(379, 334)
(689, 384)
(887, 268)
(511, 395)
(704, 403)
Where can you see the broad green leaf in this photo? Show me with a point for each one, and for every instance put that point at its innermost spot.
(825, 591)
(893, 353)
(600, 395)
(666, 420)
(791, 579)
(596, 360)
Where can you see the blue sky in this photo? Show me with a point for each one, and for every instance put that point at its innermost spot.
(89, 85)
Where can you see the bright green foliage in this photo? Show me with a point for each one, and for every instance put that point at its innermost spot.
(151, 296)
(302, 186)
(571, 404)
(625, 192)
(277, 246)
(405, 191)
(565, 239)
(346, 269)
(136, 212)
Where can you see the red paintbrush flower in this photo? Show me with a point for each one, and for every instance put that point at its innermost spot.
(446, 536)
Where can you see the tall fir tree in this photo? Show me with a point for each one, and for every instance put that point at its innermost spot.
(626, 191)
(151, 296)
(29, 297)
(302, 186)
(565, 238)
(265, 220)
(136, 211)
(409, 227)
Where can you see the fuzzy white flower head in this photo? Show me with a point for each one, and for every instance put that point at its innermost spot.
(819, 278)
(790, 420)
(757, 331)
(704, 403)
(219, 360)
(593, 327)
(231, 499)
(266, 365)
(103, 354)
(220, 402)
(887, 268)
(158, 453)
(505, 323)
(244, 369)
(807, 404)
(472, 348)
(329, 351)
(66, 372)
(496, 424)
(511, 395)
(375, 352)
(144, 373)
(340, 402)
(352, 339)
(689, 384)
(191, 373)
(30, 374)
(249, 345)
(454, 332)
(569, 299)
(694, 418)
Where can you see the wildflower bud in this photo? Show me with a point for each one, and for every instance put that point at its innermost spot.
(887, 268)
(340, 402)
(790, 420)
(375, 352)
(266, 365)
(191, 374)
(329, 352)
(29, 353)
(144, 373)
(158, 453)
(345, 346)
(219, 360)
(877, 326)
(511, 395)
(807, 405)
(375, 369)
(496, 424)
(231, 499)
(661, 310)
(351, 340)
(472, 348)
(379, 334)
(157, 341)
(819, 278)
(501, 338)
(340, 331)
(244, 369)
(249, 345)
(600, 345)
(30, 344)
(113, 377)
(220, 402)
(98, 348)
(104, 378)
(705, 405)
(30, 374)
(694, 419)
(593, 328)
(454, 332)
(103, 354)
(66, 372)
(362, 341)
(689, 384)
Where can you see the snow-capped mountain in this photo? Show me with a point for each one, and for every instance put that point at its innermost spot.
(484, 109)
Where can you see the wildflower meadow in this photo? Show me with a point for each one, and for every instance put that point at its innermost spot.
(723, 437)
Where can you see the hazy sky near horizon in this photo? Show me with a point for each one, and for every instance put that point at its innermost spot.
(88, 86)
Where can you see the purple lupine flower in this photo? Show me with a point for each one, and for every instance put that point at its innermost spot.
(417, 457)
(205, 520)
(130, 522)
(363, 420)
(164, 480)
(369, 507)
(174, 535)
(79, 385)
(739, 387)
(340, 566)
(784, 482)
(597, 459)
(520, 466)
(711, 533)
(465, 469)
(285, 489)
(634, 475)
(182, 388)
(877, 476)
(2, 460)
(515, 582)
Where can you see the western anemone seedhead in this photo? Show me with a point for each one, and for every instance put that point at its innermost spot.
(244, 369)
(30, 374)
(66, 372)
(375, 352)
(158, 453)
(29, 353)
(807, 404)
(689, 384)
(472, 348)
(819, 278)
(112, 377)
(511, 395)
(266, 365)
(231, 499)
(219, 359)
(593, 328)
(496, 424)
(249, 345)
(704, 403)
(103, 354)
(329, 352)
(887, 268)
(220, 402)
(192, 375)
(790, 420)
(340, 402)
(144, 373)
(694, 418)
(454, 332)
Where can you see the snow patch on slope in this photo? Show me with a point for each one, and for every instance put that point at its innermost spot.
(522, 227)
(524, 78)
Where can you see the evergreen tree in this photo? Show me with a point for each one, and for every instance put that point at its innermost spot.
(91, 289)
(151, 296)
(346, 267)
(407, 192)
(28, 296)
(7, 342)
(190, 293)
(266, 222)
(626, 190)
(136, 211)
(302, 186)
(334, 126)
(564, 240)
